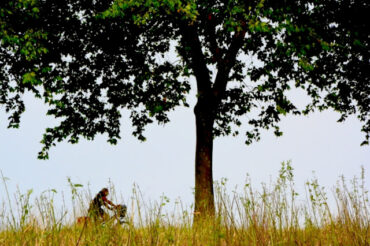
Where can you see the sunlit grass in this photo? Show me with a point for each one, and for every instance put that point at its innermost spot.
(272, 215)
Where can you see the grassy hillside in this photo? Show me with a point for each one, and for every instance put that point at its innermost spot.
(272, 215)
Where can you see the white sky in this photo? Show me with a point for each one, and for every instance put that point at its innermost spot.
(164, 164)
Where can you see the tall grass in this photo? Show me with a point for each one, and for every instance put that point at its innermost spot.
(271, 215)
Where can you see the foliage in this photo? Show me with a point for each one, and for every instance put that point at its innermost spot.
(273, 214)
(16, 40)
(290, 41)
(90, 59)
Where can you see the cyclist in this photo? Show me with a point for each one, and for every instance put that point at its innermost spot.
(96, 205)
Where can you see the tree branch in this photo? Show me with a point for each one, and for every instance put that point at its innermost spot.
(225, 65)
(197, 59)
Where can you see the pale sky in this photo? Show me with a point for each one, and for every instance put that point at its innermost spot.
(164, 164)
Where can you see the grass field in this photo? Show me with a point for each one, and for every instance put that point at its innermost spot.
(272, 215)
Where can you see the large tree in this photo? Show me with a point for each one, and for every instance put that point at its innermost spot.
(88, 60)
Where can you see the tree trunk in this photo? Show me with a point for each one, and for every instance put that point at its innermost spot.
(204, 200)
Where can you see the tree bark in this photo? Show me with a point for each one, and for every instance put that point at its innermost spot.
(204, 200)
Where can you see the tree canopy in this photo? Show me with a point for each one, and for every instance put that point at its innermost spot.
(88, 60)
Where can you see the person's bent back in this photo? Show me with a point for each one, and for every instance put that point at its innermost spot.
(96, 210)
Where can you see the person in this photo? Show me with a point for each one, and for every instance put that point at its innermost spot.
(96, 205)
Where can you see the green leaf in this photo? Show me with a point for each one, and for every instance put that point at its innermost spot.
(280, 110)
(30, 78)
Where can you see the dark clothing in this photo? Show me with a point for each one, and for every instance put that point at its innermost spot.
(95, 209)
